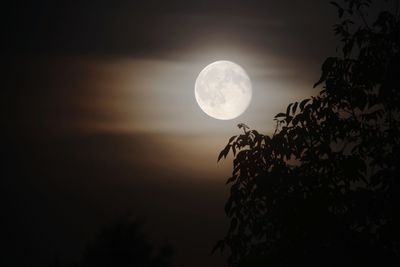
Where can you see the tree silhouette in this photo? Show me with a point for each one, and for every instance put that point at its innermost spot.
(324, 189)
(122, 245)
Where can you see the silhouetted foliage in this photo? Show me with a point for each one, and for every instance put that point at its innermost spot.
(324, 189)
(123, 244)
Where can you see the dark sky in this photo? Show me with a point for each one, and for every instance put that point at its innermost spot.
(100, 117)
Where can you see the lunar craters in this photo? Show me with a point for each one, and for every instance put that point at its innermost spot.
(223, 90)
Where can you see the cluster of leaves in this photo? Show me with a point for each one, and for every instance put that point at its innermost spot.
(123, 244)
(324, 189)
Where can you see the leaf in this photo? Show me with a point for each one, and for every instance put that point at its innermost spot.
(234, 150)
(224, 152)
(294, 107)
(231, 179)
(334, 3)
(326, 68)
(232, 138)
(279, 115)
(303, 103)
(340, 9)
(288, 109)
(297, 119)
(288, 119)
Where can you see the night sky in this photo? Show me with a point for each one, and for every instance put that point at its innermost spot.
(100, 119)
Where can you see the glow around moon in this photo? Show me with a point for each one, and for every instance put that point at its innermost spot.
(223, 90)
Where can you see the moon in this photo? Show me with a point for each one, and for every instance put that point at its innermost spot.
(223, 90)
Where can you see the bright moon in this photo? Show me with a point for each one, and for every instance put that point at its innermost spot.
(223, 90)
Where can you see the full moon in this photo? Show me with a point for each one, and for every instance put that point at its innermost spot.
(223, 90)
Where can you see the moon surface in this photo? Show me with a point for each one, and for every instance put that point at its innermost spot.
(223, 90)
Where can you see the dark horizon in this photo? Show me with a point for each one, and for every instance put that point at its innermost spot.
(101, 121)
